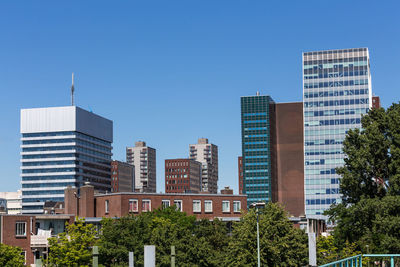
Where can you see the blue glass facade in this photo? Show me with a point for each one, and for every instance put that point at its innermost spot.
(256, 147)
(336, 92)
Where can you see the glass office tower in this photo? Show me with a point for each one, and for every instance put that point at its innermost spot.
(257, 118)
(336, 91)
(62, 146)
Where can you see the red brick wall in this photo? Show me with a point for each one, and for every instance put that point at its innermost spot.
(119, 204)
(8, 225)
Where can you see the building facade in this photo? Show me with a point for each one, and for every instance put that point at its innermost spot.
(207, 155)
(182, 176)
(289, 157)
(336, 93)
(144, 160)
(62, 146)
(122, 177)
(13, 201)
(257, 116)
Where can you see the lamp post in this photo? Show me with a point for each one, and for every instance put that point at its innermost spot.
(258, 205)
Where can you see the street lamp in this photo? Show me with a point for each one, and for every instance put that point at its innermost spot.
(258, 205)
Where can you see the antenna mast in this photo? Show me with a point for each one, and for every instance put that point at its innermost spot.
(72, 90)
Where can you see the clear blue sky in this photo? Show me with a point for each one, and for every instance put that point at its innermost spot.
(169, 72)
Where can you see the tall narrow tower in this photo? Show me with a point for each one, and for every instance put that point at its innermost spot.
(72, 90)
(207, 154)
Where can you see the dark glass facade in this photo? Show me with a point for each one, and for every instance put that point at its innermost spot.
(257, 115)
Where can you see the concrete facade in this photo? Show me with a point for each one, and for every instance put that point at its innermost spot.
(207, 154)
(13, 201)
(144, 160)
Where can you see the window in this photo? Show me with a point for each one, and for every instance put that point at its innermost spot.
(107, 204)
(20, 228)
(146, 205)
(133, 205)
(196, 206)
(208, 206)
(226, 206)
(236, 206)
(165, 204)
(178, 204)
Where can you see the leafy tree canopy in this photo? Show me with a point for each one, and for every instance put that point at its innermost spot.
(73, 247)
(280, 243)
(370, 184)
(11, 256)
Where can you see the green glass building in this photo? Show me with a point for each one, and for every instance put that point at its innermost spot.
(257, 113)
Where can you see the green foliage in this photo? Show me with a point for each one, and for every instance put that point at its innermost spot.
(74, 247)
(11, 256)
(328, 251)
(370, 184)
(280, 243)
(196, 243)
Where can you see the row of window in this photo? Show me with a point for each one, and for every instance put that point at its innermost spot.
(323, 171)
(255, 135)
(320, 181)
(265, 170)
(254, 114)
(336, 93)
(321, 142)
(324, 161)
(325, 132)
(336, 102)
(256, 143)
(45, 163)
(179, 163)
(318, 191)
(47, 185)
(196, 206)
(255, 128)
(308, 75)
(336, 112)
(255, 149)
(255, 121)
(333, 122)
(325, 63)
(323, 66)
(335, 84)
(341, 52)
(332, 151)
(320, 201)
(52, 177)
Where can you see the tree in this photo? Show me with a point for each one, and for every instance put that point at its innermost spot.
(328, 250)
(196, 243)
(73, 247)
(11, 256)
(370, 184)
(280, 243)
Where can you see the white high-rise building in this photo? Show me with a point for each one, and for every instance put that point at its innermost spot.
(13, 201)
(62, 146)
(144, 160)
(337, 92)
(207, 155)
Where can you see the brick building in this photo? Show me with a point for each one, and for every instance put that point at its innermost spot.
(226, 206)
(30, 232)
(122, 177)
(182, 176)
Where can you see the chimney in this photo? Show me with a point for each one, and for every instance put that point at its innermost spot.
(86, 201)
(227, 191)
(70, 200)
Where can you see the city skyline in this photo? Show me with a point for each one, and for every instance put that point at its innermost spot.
(122, 71)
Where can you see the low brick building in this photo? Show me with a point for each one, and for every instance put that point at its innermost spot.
(30, 232)
(226, 206)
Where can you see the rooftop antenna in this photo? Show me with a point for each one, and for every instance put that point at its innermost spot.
(72, 90)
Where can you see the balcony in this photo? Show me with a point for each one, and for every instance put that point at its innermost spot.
(40, 240)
